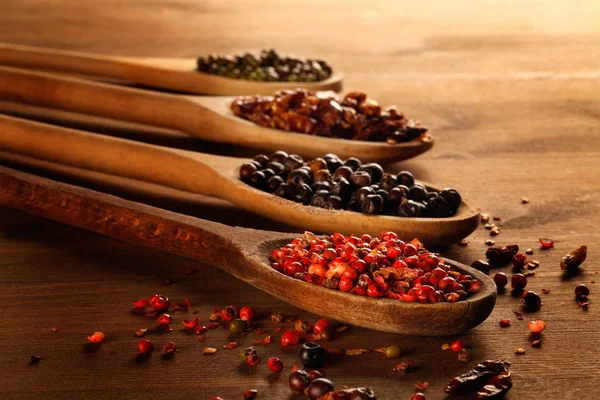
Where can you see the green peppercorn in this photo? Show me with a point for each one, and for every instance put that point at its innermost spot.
(393, 351)
(237, 326)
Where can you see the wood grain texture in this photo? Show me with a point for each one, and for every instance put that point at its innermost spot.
(219, 177)
(205, 117)
(242, 252)
(511, 90)
(178, 75)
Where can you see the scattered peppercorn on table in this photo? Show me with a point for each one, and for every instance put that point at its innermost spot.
(511, 95)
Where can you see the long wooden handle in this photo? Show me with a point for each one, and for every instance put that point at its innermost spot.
(104, 100)
(62, 60)
(172, 168)
(133, 222)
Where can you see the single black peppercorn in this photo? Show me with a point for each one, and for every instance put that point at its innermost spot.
(581, 291)
(246, 170)
(262, 159)
(417, 192)
(303, 193)
(388, 182)
(373, 204)
(278, 156)
(452, 197)
(293, 161)
(342, 188)
(286, 191)
(320, 199)
(374, 170)
(437, 207)
(317, 164)
(257, 180)
(335, 202)
(321, 185)
(319, 387)
(360, 179)
(299, 176)
(410, 208)
(405, 178)
(353, 163)
(333, 164)
(275, 166)
(322, 175)
(273, 183)
(268, 173)
(397, 194)
(531, 300)
(312, 355)
(299, 381)
(342, 172)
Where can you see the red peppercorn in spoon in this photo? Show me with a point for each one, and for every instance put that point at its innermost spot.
(245, 254)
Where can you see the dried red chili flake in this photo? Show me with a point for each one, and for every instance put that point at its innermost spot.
(464, 355)
(418, 396)
(96, 337)
(216, 398)
(519, 315)
(546, 243)
(536, 343)
(403, 367)
(54, 329)
(215, 315)
(302, 326)
(140, 332)
(145, 346)
(169, 348)
(141, 303)
(536, 326)
(504, 323)
(250, 394)
(546, 291)
(202, 338)
(266, 340)
(290, 337)
(275, 364)
(421, 385)
(166, 282)
(231, 345)
(168, 329)
(201, 329)
(253, 359)
(35, 359)
(190, 324)
(260, 331)
(159, 302)
(212, 325)
(152, 314)
(208, 351)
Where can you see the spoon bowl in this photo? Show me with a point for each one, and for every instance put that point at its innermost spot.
(242, 252)
(216, 176)
(207, 118)
(175, 74)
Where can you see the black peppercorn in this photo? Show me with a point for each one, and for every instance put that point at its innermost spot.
(360, 179)
(262, 159)
(279, 156)
(405, 178)
(388, 182)
(299, 381)
(322, 175)
(268, 173)
(299, 176)
(275, 166)
(362, 193)
(312, 355)
(341, 188)
(273, 183)
(321, 185)
(374, 170)
(320, 199)
(303, 193)
(437, 207)
(353, 163)
(397, 194)
(417, 192)
(317, 164)
(373, 204)
(410, 208)
(257, 180)
(292, 162)
(531, 300)
(333, 164)
(286, 191)
(335, 202)
(342, 172)
(319, 387)
(452, 197)
(246, 170)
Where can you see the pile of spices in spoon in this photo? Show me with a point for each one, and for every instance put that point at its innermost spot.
(331, 183)
(355, 117)
(375, 267)
(268, 66)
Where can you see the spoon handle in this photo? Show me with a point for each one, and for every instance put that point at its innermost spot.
(104, 100)
(62, 60)
(178, 169)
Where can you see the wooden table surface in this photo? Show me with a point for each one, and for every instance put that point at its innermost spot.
(510, 88)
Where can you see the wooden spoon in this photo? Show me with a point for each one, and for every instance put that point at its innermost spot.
(215, 176)
(243, 253)
(208, 118)
(164, 73)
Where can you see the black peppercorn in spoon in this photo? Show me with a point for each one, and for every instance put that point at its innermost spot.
(243, 253)
(207, 118)
(178, 75)
(215, 176)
